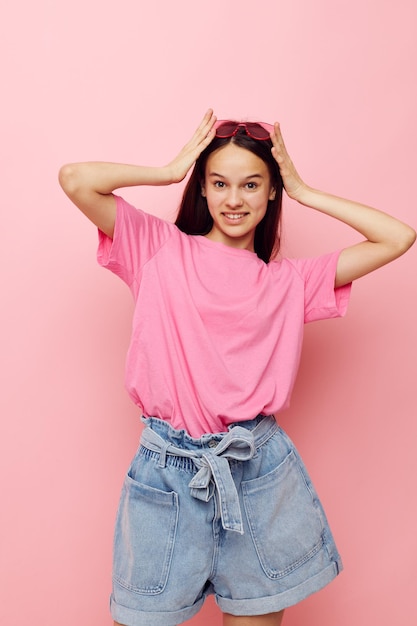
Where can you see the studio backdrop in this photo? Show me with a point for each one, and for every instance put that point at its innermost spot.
(129, 81)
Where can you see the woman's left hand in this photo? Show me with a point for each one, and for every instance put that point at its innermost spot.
(293, 184)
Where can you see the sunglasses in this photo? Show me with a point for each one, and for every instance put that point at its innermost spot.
(255, 130)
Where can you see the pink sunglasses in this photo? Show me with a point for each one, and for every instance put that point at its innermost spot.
(256, 130)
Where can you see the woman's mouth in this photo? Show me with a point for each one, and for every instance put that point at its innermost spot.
(234, 217)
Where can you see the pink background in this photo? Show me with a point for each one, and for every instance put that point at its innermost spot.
(129, 81)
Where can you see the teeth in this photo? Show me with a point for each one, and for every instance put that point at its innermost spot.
(234, 216)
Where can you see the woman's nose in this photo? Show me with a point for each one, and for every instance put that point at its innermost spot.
(234, 198)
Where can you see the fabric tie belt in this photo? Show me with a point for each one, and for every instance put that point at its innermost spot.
(214, 476)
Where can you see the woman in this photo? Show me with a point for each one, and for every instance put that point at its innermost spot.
(217, 499)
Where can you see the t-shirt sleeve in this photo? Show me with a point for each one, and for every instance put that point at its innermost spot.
(137, 238)
(322, 300)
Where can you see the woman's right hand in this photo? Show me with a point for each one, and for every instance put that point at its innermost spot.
(202, 137)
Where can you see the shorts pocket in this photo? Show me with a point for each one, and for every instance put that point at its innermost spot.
(284, 521)
(144, 537)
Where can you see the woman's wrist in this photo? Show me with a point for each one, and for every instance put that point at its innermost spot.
(303, 194)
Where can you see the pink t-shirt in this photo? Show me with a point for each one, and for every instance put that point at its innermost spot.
(217, 333)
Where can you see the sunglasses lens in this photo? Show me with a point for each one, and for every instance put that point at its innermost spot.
(256, 131)
(226, 129)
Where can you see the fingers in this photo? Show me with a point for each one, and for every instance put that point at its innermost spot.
(279, 150)
(195, 146)
(204, 134)
(206, 131)
(208, 120)
(293, 184)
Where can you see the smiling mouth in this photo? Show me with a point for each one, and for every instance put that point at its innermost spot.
(235, 216)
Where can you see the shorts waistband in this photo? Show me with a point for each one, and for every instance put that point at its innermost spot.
(212, 460)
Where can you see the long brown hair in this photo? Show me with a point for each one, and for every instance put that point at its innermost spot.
(194, 217)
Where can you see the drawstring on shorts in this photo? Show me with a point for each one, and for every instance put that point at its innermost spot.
(214, 476)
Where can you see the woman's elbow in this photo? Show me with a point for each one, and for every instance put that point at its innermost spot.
(68, 177)
(400, 243)
(407, 240)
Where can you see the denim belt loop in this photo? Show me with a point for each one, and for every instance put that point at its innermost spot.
(213, 465)
(163, 454)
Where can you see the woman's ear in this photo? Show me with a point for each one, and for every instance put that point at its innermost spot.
(203, 191)
(272, 194)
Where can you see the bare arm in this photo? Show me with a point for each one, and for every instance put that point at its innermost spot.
(90, 185)
(386, 237)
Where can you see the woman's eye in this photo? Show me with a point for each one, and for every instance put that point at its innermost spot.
(219, 184)
(251, 185)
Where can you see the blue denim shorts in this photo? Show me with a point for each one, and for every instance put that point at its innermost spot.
(231, 514)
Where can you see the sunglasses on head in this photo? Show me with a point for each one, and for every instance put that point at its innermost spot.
(255, 130)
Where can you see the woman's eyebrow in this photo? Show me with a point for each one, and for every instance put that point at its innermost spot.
(246, 177)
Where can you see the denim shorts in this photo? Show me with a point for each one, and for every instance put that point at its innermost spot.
(231, 514)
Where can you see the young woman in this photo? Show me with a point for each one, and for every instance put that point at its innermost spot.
(217, 499)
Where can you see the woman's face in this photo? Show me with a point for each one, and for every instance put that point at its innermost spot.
(237, 187)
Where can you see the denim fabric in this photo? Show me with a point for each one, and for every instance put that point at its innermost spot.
(233, 514)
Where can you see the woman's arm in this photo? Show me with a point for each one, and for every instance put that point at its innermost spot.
(386, 237)
(90, 185)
